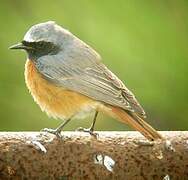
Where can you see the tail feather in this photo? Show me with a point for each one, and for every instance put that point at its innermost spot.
(137, 123)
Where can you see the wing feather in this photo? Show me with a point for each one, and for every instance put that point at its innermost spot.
(92, 79)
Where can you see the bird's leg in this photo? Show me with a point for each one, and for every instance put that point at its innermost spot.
(91, 129)
(94, 121)
(58, 130)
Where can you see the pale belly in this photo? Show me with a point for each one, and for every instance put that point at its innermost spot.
(56, 101)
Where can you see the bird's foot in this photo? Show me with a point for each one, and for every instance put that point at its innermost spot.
(56, 132)
(88, 130)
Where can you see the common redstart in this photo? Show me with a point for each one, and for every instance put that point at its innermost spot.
(67, 79)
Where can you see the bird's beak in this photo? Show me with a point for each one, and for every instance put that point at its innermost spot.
(18, 46)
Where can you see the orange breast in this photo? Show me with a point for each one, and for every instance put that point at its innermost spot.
(56, 101)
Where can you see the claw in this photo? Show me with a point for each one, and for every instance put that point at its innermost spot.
(88, 130)
(53, 131)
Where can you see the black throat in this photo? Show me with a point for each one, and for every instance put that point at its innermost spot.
(40, 48)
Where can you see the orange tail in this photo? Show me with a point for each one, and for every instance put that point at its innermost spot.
(137, 123)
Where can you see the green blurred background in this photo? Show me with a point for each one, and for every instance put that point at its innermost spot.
(145, 43)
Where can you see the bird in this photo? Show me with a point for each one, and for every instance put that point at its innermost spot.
(67, 80)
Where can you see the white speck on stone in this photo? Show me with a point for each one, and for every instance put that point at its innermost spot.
(109, 163)
(167, 177)
(187, 142)
(104, 160)
(168, 146)
(98, 159)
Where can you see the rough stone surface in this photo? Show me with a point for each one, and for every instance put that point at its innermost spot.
(114, 155)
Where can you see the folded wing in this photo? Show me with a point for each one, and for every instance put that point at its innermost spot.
(90, 78)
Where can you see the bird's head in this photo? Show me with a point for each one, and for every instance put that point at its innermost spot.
(44, 39)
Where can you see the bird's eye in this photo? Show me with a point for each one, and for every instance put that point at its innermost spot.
(25, 42)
